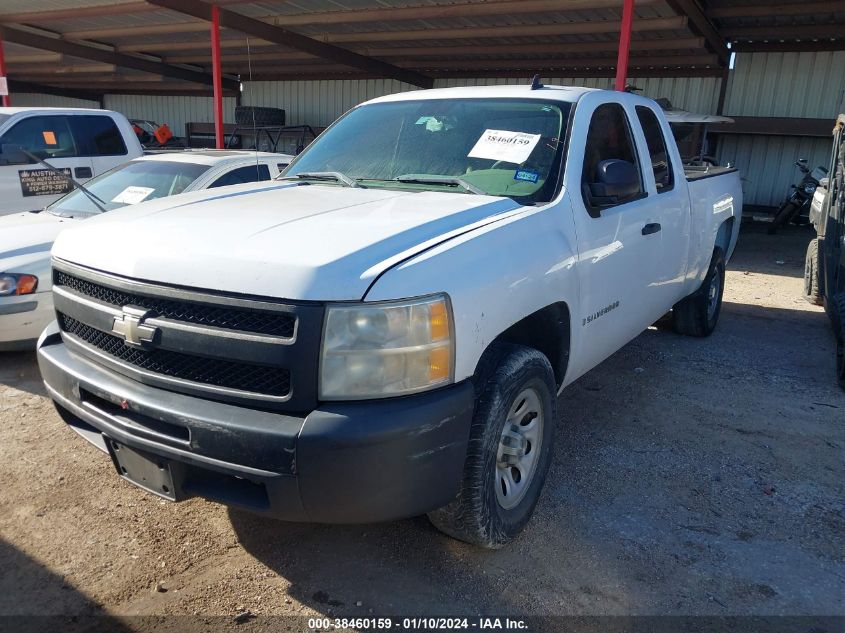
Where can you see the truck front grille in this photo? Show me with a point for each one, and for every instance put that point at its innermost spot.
(256, 321)
(272, 381)
(242, 350)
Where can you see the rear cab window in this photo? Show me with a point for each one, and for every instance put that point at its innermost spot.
(98, 134)
(661, 166)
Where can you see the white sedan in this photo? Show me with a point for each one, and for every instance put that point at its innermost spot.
(26, 304)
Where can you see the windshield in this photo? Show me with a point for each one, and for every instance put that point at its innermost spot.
(500, 147)
(130, 183)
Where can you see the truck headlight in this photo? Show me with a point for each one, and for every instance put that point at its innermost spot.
(11, 284)
(386, 349)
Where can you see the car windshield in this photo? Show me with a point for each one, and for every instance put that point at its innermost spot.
(499, 147)
(130, 183)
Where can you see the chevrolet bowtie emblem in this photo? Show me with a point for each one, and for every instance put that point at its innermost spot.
(131, 328)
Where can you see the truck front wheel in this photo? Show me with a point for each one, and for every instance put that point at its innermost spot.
(812, 288)
(697, 314)
(510, 448)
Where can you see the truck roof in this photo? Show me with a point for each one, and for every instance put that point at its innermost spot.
(569, 94)
(11, 111)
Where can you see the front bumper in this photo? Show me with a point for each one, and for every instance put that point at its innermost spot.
(341, 463)
(23, 318)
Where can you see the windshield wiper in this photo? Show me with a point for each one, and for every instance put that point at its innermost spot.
(441, 180)
(337, 176)
(98, 202)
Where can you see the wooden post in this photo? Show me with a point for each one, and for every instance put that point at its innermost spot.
(624, 45)
(217, 76)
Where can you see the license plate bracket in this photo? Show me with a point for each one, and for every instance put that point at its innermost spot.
(146, 471)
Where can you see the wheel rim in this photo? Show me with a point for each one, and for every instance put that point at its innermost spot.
(519, 448)
(713, 296)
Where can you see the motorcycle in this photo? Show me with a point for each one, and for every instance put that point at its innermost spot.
(796, 207)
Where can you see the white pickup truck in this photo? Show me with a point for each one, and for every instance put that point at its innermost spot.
(80, 142)
(384, 332)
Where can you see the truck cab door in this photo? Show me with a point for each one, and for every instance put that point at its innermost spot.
(619, 241)
(666, 184)
(26, 185)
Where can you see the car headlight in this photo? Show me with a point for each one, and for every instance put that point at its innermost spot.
(809, 188)
(386, 349)
(11, 284)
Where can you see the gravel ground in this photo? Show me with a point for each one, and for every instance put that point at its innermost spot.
(691, 477)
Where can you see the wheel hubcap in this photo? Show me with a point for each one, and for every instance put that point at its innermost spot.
(519, 448)
(713, 296)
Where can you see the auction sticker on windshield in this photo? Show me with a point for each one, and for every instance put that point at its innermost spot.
(510, 147)
(132, 195)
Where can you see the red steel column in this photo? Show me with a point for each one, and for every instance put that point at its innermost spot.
(215, 71)
(624, 45)
(6, 100)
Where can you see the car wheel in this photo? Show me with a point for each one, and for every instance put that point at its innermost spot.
(510, 448)
(812, 289)
(697, 314)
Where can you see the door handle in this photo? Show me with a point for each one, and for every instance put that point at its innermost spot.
(652, 227)
(82, 172)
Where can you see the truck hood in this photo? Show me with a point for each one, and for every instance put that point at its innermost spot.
(291, 241)
(27, 237)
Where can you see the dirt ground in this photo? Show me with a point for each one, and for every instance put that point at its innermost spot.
(690, 477)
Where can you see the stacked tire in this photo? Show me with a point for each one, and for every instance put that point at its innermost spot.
(259, 116)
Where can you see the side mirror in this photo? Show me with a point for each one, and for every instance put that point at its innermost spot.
(13, 155)
(618, 181)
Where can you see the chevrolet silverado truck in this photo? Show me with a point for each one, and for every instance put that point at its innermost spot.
(384, 331)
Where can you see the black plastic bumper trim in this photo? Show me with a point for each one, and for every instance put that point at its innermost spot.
(347, 462)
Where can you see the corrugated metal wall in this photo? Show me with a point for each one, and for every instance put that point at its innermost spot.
(801, 85)
(175, 111)
(809, 85)
(321, 102)
(317, 103)
(762, 84)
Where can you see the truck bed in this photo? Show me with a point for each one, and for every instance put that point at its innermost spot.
(698, 173)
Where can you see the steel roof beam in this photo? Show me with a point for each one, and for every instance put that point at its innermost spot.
(16, 85)
(766, 10)
(701, 25)
(43, 42)
(403, 52)
(278, 35)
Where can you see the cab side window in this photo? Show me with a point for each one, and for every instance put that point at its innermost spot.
(611, 174)
(251, 173)
(660, 164)
(45, 136)
(101, 134)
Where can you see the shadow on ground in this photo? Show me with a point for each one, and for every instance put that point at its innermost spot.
(20, 370)
(778, 254)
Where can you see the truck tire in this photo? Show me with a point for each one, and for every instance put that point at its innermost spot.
(247, 115)
(697, 314)
(812, 289)
(839, 331)
(510, 448)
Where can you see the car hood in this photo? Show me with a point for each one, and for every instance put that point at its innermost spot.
(27, 237)
(292, 241)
